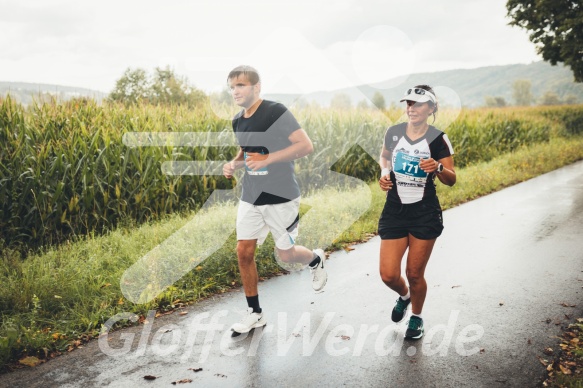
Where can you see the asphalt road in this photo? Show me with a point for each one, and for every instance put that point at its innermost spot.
(501, 281)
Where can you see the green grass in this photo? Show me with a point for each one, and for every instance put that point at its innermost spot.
(70, 169)
(52, 300)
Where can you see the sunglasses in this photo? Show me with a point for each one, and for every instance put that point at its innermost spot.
(421, 92)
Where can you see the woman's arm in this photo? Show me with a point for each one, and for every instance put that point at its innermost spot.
(385, 180)
(447, 176)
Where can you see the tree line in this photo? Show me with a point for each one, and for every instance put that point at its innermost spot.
(522, 96)
(162, 87)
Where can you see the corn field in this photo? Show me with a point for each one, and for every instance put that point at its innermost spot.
(65, 170)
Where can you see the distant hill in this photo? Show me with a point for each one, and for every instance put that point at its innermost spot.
(472, 85)
(24, 92)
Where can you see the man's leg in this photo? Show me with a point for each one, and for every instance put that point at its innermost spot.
(247, 266)
(251, 230)
(254, 318)
(296, 254)
(283, 222)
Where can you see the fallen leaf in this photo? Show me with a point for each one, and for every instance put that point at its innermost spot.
(567, 305)
(195, 369)
(548, 351)
(543, 361)
(482, 350)
(456, 286)
(565, 370)
(348, 248)
(529, 341)
(183, 381)
(345, 337)
(501, 303)
(30, 361)
(183, 313)
(105, 285)
(150, 377)
(575, 341)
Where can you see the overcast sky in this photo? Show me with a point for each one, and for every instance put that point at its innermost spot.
(298, 46)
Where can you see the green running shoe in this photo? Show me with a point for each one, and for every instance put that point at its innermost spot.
(415, 328)
(400, 309)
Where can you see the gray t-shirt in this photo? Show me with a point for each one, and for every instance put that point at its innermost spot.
(267, 130)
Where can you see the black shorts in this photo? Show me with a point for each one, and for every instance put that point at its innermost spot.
(422, 219)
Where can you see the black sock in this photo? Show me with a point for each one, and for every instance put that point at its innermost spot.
(253, 302)
(315, 262)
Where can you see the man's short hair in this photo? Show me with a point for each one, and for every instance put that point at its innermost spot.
(249, 72)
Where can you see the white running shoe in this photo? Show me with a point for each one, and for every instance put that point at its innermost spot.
(319, 275)
(249, 322)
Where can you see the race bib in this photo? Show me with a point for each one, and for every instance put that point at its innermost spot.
(409, 166)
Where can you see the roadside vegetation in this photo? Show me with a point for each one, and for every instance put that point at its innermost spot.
(564, 367)
(79, 206)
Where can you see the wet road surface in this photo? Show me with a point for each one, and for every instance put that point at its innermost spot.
(501, 280)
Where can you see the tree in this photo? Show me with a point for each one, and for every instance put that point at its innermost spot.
(362, 104)
(379, 100)
(495, 101)
(169, 88)
(550, 98)
(570, 99)
(341, 101)
(521, 92)
(164, 87)
(555, 26)
(132, 87)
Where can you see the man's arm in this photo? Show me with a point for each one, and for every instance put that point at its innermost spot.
(300, 147)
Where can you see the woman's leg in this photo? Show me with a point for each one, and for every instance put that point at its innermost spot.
(419, 252)
(391, 255)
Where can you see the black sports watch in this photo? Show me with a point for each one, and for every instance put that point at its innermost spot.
(439, 168)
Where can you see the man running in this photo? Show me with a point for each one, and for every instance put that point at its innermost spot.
(270, 139)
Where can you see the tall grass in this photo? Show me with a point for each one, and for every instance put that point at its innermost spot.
(65, 170)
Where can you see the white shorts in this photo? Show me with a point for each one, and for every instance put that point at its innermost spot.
(282, 220)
